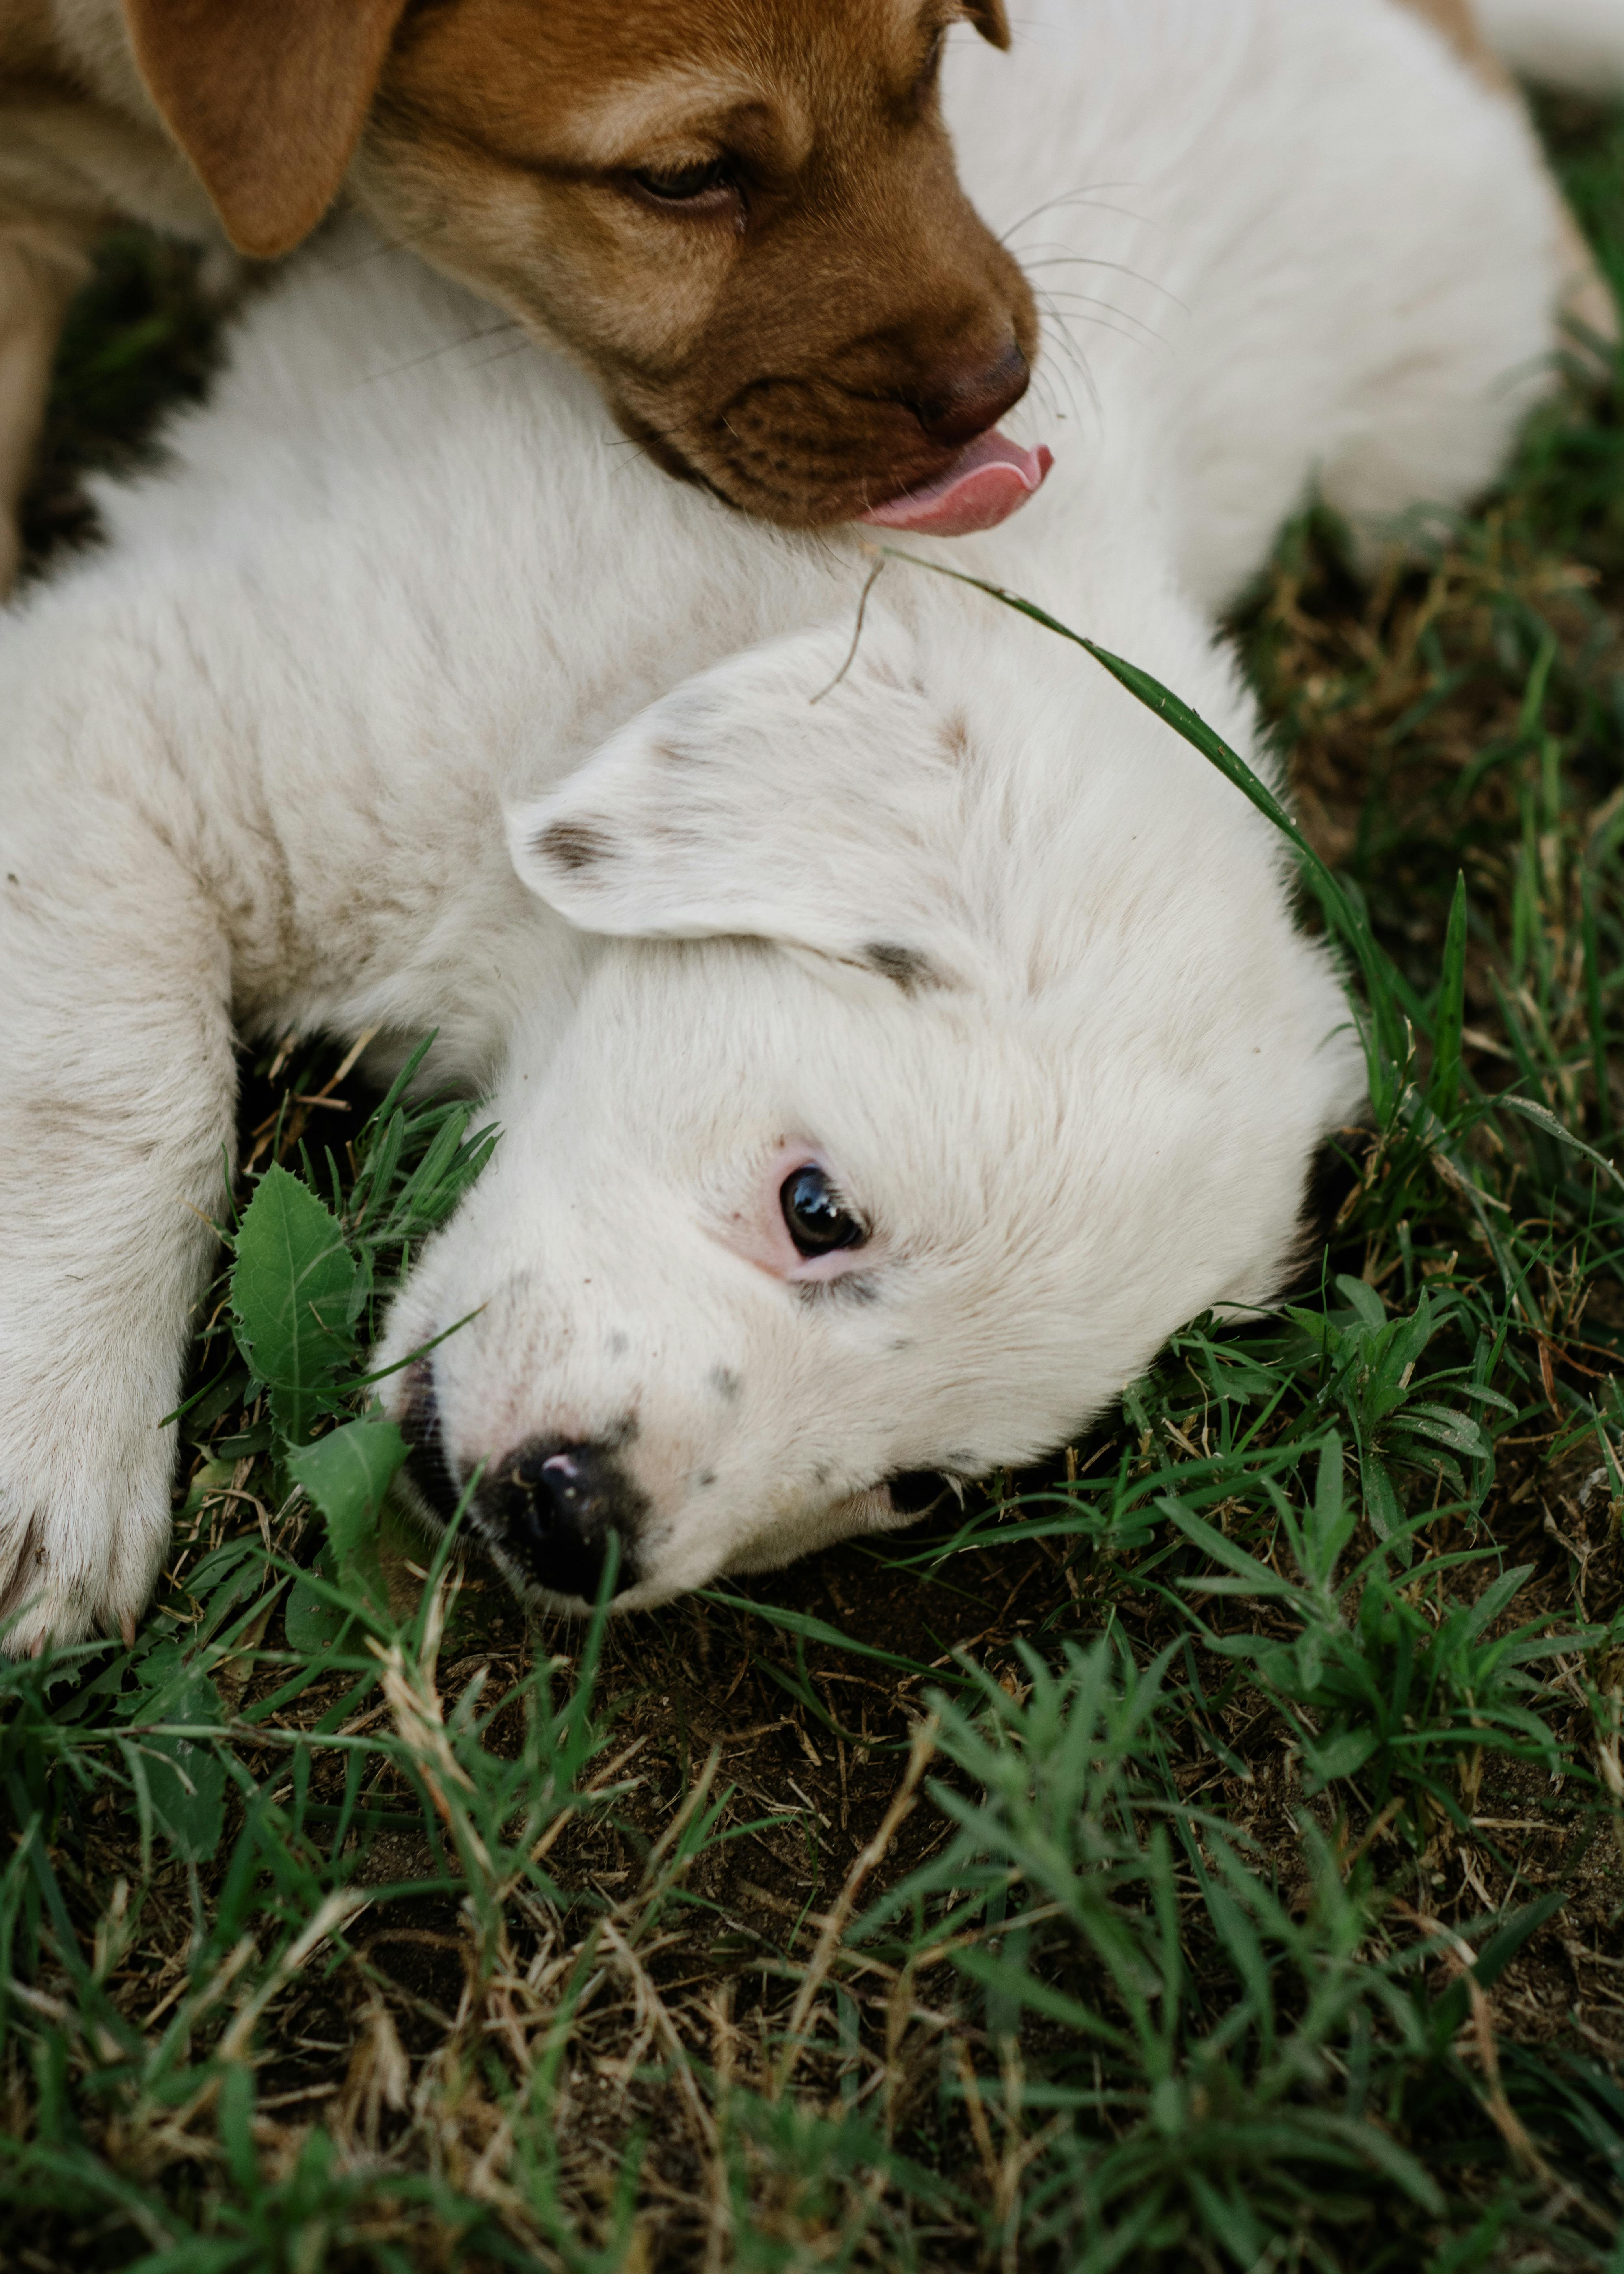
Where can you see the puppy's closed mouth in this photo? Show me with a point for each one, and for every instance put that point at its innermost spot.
(990, 478)
(428, 1476)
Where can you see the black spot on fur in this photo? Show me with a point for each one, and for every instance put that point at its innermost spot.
(725, 1383)
(571, 845)
(906, 967)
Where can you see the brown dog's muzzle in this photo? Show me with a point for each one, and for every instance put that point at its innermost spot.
(833, 344)
(852, 362)
(972, 400)
(867, 421)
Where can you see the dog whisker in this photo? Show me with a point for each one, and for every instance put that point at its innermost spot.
(1059, 383)
(1084, 197)
(514, 347)
(1057, 329)
(1043, 388)
(446, 347)
(392, 243)
(1123, 315)
(1092, 260)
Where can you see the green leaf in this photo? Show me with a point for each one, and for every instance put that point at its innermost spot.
(1496, 1599)
(1445, 1086)
(235, 2109)
(1445, 1427)
(187, 1778)
(312, 1621)
(1211, 1542)
(1226, 2214)
(810, 1630)
(1496, 1954)
(347, 1474)
(1381, 1500)
(1332, 1518)
(1341, 1756)
(1594, 1014)
(289, 1291)
(1548, 1122)
(1364, 1301)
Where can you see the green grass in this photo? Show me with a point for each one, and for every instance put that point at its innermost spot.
(1207, 1853)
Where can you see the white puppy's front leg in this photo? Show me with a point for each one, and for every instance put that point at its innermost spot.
(116, 1086)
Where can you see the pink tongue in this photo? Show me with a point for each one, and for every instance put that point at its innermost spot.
(990, 478)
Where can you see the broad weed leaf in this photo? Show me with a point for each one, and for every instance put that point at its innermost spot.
(289, 1296)
(347, 1474)
(312, 1621)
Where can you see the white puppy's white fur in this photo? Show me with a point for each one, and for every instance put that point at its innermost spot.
(1577, 44)
(973, 930)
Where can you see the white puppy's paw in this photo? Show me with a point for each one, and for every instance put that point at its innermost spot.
(84, 1522)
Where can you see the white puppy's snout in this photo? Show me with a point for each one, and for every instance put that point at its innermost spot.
(557, 1509)
(551, 1510)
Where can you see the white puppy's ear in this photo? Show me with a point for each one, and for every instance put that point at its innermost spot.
(771, 797)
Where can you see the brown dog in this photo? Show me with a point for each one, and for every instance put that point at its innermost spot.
(740, 215)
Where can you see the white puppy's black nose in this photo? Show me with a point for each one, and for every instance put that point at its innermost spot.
(554, 1508)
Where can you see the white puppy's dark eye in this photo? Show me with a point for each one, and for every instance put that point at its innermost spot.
(813, 1215)
(686, 185)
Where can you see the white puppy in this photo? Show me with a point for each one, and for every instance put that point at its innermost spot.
(953, 1043)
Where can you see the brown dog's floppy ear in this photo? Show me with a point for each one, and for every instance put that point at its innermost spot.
(266, 98)
(990, 20)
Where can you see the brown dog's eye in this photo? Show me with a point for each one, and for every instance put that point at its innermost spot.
(706, 187)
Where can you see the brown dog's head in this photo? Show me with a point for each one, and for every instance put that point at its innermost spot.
(741, 215)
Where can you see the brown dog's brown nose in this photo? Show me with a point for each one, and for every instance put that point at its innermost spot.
(975, 400)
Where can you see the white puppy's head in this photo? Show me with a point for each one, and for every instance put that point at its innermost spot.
(947, 1056)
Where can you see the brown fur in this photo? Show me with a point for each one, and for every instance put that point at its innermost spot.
(822, 329)
(268, 99)
(792, 349)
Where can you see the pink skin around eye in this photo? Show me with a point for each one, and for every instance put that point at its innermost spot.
(759, 1233)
